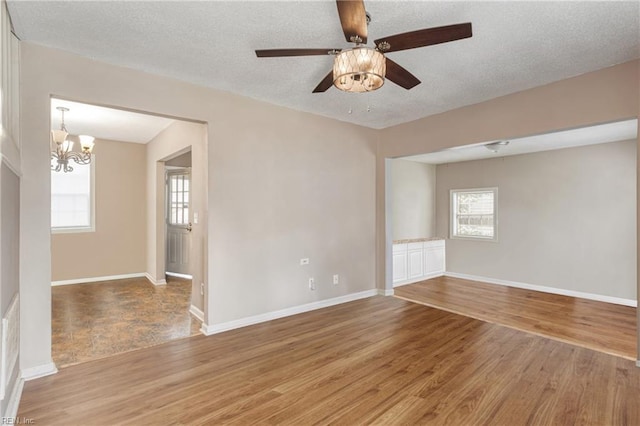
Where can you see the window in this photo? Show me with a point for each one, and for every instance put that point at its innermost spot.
(473, 213)
(179, 198)
(72, 198)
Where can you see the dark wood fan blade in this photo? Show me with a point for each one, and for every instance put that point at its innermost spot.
(273, 53)
(400, 76)
(325, 84)
(426, 37)
(353, 18)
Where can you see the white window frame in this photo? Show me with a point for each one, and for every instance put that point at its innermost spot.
(92, 205)
(453, 211)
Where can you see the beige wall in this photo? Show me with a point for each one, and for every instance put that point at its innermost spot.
(9, 255)
(286, 185)
(183, 160)
(173, 140)
(566, 219)
(638, 210)
(117, 247)
(282, 185)
(610, 94)
(9, 244)
(10, 182)
(413, 206)
(601, 96)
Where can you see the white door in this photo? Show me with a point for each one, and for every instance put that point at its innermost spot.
(178, 222)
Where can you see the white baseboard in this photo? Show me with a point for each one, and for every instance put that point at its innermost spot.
(268, 316)
(39, 371)
(153, 280)
(14, 399)
(175, 274)
(552, 290)
(204, 328)
(196, 312)
(418, 279)
(385, 292)
(98, 279)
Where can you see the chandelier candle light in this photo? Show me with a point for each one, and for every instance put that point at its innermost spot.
(62, 149)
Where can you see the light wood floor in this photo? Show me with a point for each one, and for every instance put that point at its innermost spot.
(380, 360)
(600, 326)
(96, 320)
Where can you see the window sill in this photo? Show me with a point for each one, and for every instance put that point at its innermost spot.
(75, 230)
(489, 240)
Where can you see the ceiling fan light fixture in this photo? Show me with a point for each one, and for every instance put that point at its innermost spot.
(361, 69)
(496, 146)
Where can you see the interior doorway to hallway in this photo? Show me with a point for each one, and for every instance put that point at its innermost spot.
(109, 290)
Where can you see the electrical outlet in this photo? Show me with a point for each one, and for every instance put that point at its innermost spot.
(202, 289)
(312, 284)
(304, 261)
(336, 279)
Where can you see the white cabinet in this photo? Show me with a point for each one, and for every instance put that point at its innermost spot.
(418, 260)
(415, 260)
(399, 262)
(434, 258)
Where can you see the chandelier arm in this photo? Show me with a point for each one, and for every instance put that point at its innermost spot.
(62, 151)
(79, 157)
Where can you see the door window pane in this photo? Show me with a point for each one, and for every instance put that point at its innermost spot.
(178, 198)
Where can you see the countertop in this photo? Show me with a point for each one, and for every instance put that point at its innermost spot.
(417, 240)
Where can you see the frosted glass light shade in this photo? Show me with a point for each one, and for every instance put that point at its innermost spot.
(67, 146)
(86, 142)
(59, 136)
(360, 69)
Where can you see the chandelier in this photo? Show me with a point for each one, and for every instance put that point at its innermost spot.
(361, 69)
(62, 149)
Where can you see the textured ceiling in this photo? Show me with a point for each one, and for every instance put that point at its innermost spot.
(107, 123)
(515, 46)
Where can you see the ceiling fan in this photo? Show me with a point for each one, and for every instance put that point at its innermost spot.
(362, 68)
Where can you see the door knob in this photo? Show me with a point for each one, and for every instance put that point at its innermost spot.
(189, 227)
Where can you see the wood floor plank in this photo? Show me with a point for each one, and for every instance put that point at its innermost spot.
(380, 360)
(600, 326)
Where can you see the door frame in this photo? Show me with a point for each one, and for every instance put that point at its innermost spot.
(169, 170)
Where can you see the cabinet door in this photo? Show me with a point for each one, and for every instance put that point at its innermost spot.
(434, 260)
(399, 266)
(415, 261)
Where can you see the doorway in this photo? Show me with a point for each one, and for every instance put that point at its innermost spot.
(549, 239)
(117, 299)
(178, 222)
